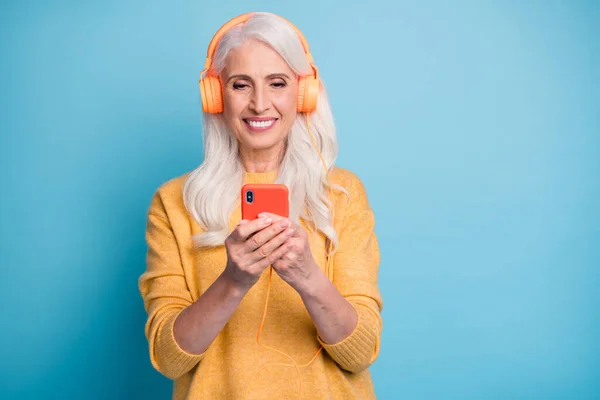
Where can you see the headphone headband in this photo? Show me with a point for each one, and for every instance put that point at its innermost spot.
(241, 19)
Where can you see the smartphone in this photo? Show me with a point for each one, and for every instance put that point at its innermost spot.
(264, 197)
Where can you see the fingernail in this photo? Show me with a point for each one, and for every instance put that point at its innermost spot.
(284, 223)
(289, 232)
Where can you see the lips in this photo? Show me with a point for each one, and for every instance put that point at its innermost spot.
(260, 124)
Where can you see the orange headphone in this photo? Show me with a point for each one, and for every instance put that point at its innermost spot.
(210, 85)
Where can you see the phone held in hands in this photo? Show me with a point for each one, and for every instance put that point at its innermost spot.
(264, 197)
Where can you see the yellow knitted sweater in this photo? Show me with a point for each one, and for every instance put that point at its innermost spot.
(178, 273)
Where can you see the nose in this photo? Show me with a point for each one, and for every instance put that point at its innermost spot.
(259, 101)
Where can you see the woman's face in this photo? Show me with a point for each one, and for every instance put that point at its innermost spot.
(259, 96)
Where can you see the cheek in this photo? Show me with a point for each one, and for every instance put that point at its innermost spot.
(233, 105)
(286, 104)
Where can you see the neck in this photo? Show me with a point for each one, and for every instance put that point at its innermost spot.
(266, 160)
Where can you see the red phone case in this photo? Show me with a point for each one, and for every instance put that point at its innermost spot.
(265, 197)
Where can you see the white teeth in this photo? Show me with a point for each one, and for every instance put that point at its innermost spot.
(261, 124)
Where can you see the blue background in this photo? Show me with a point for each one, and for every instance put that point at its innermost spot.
(474, 125)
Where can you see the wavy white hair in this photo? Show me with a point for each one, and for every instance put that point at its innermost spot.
(212, 190)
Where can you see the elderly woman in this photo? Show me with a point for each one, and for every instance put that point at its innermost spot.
(275, 307)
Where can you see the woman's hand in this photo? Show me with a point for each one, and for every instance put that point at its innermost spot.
(296, 266)
(253, 246)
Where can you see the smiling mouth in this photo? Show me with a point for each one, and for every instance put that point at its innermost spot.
(260, 126)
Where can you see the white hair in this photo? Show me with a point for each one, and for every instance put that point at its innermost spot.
(212, 190)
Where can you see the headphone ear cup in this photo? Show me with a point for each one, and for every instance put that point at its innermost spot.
(203, 95)
(301, 94)
(210, 90)
(308, 93)
(217, 95)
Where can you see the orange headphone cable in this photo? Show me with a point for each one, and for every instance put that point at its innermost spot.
(327, 271)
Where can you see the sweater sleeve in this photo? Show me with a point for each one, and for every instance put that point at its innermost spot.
(165, 294)
(356, 265)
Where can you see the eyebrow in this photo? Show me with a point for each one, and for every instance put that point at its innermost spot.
(270, 76)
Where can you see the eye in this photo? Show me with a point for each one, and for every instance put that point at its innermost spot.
(239, 86)
(279, 84)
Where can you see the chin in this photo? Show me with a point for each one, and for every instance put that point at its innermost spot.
(264, 139)
(261, 142)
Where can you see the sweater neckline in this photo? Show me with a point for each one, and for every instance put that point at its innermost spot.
(260, 177)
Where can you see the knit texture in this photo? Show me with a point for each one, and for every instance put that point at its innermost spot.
(178, 273)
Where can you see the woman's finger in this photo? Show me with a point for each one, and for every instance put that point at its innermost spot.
(244, 230)
(298, 230)
(261, 237)
(275, 255)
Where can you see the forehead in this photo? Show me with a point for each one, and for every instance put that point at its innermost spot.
(255, 58)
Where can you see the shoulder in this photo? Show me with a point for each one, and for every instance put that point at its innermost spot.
(354, 197)
(349, 180)
(345, 177)
(168, 197)
(173, 187)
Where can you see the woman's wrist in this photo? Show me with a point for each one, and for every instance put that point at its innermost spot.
(314, 285)
(231, 287)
